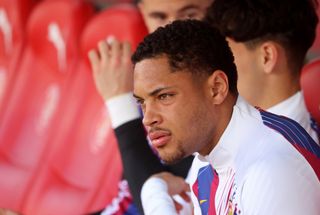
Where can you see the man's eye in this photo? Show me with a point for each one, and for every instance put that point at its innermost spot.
(191, 15)
(139, 101)
(159, 16)
(165, 96)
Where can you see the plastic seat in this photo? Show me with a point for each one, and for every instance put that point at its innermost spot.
(80, 163)
(13, 17)
(122, 21)
(86, 156)
(310, 84)
(84, 166)
(33, 112)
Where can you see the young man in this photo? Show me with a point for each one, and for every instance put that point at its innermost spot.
(190, 104)
(112, 71)
(269, 40)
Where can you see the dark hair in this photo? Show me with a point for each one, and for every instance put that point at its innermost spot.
(192, 45)
(291, 23)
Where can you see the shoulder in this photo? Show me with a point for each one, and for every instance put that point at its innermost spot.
(279, 184)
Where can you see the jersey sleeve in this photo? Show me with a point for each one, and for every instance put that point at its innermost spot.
(155, 198)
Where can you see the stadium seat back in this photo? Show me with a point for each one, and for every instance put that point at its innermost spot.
(122, 21)
(13, 17)
(33, 112)
(310, 84)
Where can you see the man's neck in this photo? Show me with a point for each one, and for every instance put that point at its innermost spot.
(224, 114)
(273, 91)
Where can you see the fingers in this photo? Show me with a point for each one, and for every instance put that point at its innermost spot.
(120, 53)
(185, 196)
(113, 51)
(94, 60)
(103, 51)
(109, 57)
(177, 205)
(116, 53)
(126, 52)
(184, 193)
(186, 187)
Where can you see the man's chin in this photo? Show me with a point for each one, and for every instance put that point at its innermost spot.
(171, 159)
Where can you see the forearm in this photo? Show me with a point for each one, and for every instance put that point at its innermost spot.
(155, 198)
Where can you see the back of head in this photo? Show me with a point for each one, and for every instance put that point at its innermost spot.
(192, 45)
(291, 23)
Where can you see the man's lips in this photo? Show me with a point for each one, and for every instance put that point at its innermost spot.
(159, 138)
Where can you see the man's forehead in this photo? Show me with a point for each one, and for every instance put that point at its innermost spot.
(157, 72)
(152, 66)
(177, 4)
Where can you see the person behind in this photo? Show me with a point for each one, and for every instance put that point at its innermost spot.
(191, 104)
(158, 13)
(269, 40)
(112, 71)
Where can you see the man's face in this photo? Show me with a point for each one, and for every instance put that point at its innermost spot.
(176, 109)
(158, 13)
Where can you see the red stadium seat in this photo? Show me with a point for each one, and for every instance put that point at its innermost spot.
(128, 27)
(60, 145)
(13, 17)
(84, 166)
(310, 84)
(87, 156)
(32, 113)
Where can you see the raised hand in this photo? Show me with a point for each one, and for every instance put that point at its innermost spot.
(112, 68)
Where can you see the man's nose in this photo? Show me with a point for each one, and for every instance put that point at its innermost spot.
(151, 117)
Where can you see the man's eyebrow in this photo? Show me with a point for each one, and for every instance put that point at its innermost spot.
(157, 14)
(154, 92)
(188, 7)
(136, 97)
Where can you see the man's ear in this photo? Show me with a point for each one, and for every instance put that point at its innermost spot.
(218, 86)
(269, 54)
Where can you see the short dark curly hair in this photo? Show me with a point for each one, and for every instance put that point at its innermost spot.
(192, 45)
(291, 23)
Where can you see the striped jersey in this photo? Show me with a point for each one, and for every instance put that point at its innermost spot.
(262, 164)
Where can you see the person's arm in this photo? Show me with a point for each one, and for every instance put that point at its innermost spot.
(158, 191)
